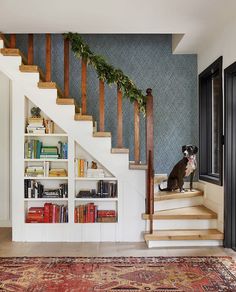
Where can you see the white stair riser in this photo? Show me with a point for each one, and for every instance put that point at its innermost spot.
(184, 243)
(12, 61)
(177, 203)
(1, 44)
(182, 224)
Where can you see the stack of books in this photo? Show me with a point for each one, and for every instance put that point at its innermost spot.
(99, 172)
(82, 166)
(34, 171)
(106, 189)
(62, 150)
(49, 152)
(89, 213)
(106, 216)
(55, 172)
(54, 213)
(35, 215)
(35, 126)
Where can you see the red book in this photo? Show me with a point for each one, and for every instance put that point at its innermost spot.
(36, 209)
(47, 212)
(106, 213)
(54, 213)
(51, 213)
(76, 215)
(57, 214)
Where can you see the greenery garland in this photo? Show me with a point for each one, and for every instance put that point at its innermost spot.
(107, 72)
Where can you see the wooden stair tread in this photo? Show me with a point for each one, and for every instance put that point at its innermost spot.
(120, 150)
(29, 68)
(140, 166)
(162, 196)
(102, 134)
(47, 85)
(195, 212)
(65, 101)
(201, 234)
(10, 52)
(79, 117)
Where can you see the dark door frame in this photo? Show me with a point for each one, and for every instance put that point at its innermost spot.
(230, 157)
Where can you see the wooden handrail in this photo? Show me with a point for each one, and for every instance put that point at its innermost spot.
(101, 106)
(12, 41)
(48, 58)
(30, 49)
(66, 68)
(119, 119)
(149, 139)
(136, 133)
(84, 85)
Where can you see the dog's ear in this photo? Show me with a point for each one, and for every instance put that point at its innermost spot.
(195, 150)
(184, 148)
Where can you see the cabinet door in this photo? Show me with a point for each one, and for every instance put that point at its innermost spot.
(5, 150)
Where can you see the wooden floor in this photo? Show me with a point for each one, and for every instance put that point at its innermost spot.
(18, 249)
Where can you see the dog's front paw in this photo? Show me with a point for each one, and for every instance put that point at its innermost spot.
(182, 191)
(192, 190)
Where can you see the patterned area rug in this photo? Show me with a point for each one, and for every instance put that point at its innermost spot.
(118, 274)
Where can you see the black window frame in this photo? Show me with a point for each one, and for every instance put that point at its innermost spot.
(205, 132)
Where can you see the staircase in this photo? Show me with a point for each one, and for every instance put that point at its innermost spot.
(181, 219)
(171, 219)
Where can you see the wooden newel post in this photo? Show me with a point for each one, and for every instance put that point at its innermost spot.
(30, 49)
(48, 57)
(119, 119)
(66, 68)
(149, 145)
(83, 85)
(101, 106)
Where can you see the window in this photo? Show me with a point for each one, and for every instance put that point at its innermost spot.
(211, 123)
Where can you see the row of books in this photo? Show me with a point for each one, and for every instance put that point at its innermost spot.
(105, 189)
(39, 126)
(50, 213)
(44, 171)
(34, 189)
(34, 149)
(89, 213)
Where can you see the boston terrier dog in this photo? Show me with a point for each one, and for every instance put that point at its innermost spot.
(185, 167)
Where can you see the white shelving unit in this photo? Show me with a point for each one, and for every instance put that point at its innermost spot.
(71, 230)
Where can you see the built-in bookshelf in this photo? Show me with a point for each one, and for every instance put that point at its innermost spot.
(62, 182)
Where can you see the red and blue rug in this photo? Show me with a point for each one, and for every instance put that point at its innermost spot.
(172, 274)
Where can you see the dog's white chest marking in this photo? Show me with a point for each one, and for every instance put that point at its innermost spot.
(191, 166)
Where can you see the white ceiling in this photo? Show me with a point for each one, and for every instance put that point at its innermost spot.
(197, 20)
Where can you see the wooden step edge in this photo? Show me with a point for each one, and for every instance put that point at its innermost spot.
(138, 166)
(10, 52)
(47, 85)
(101, 134)
(65, 101)
(201, 234)
(29, 68)
(79, 117)
(163, 196)
(157, 216)
(119, 150)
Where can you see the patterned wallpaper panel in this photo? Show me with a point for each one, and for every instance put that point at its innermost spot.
(148, 60)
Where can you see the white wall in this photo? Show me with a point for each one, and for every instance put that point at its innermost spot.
(5, 151)
(222, 43)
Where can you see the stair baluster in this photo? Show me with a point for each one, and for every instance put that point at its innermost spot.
(119, 142)
(66, 68)
(12, 41)
(48, 58)
(83, 85)
(30, 49)
(101, 106)
(150, 181)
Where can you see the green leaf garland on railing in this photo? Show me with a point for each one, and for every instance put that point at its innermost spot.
(107, 72)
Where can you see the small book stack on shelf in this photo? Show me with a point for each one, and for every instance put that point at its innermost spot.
(57, 172)
(34, 171)
(34, 149)
(35, 190)
(99, 172)
(89, 213)
(50, 213)
(35, 125)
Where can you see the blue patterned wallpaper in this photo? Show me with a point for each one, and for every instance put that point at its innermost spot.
(148, 60)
